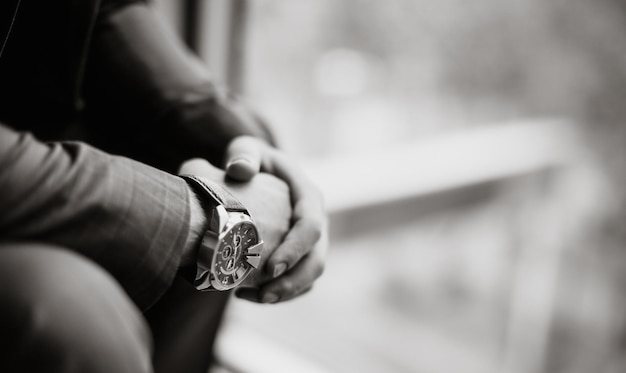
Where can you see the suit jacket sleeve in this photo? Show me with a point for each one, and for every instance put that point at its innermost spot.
(130, 218)
(143, 81)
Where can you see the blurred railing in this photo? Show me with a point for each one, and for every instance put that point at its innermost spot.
(429, 172)
(437, 164)
(415, 175)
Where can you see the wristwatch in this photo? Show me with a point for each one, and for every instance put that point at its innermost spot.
(231, 247)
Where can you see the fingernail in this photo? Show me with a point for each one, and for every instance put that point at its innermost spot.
(239, 161)
(279, 269)
(270, 298)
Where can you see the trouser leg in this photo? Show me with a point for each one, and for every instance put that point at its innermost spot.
(184, 323)
(60, 312)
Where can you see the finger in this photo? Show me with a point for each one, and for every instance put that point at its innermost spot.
(295, 282)
(309, 225)
(243, 158)
(199, 166)
(292, 284)
(250, 294)
(253, 295)
(309, 218)
(298, 243)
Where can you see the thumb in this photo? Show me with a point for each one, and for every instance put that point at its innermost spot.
(243, 158)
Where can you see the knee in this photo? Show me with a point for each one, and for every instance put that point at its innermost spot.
(62, 312)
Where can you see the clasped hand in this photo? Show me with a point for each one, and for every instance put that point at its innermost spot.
(288, 210)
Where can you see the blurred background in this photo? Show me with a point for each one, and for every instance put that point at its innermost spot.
(473, 157)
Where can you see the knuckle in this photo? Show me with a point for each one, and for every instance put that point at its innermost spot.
(196, 163)
(308, 289)
(319, 195)
(293, 256)
(244, 141)
(293, 251)
(315, 194)
(288, 287)
(318, 269)
(281, 256)
(316, 232)
(300, 251)
(313, 227)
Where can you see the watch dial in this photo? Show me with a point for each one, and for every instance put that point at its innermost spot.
(231, 264)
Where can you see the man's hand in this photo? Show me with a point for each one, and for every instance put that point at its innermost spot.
(299, 260)
(266, 198)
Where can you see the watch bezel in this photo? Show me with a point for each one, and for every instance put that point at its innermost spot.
(206, 277)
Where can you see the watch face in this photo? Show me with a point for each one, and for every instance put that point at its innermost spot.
(231, 259)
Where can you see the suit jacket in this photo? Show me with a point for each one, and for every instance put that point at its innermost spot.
(107, 72)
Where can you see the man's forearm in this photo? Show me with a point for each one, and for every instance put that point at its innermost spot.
(129, 218)
(144, 79)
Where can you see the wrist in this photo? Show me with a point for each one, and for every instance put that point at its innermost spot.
(198, 223)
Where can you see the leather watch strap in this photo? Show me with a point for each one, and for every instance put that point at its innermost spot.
(217, 192)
